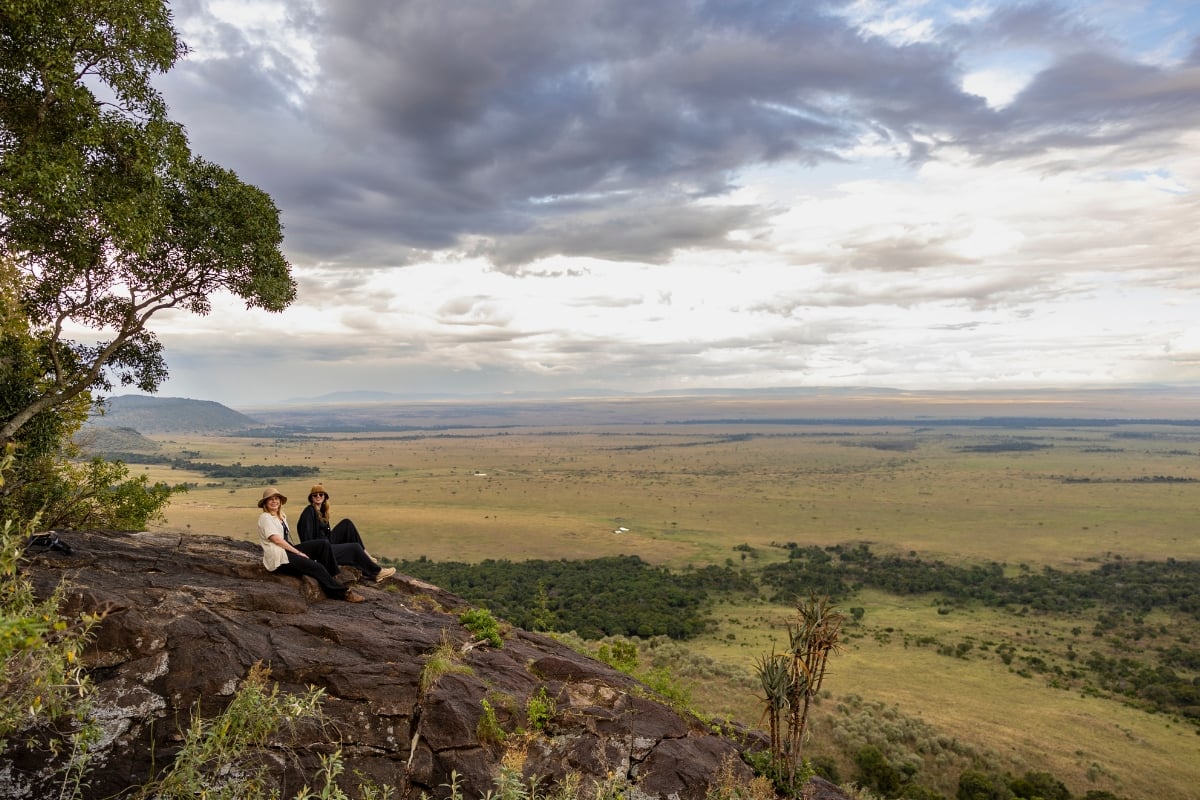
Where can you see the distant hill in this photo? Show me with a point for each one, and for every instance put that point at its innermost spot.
(147, 414)
(97, 440)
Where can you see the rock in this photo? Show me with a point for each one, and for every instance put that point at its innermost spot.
(818, 788)
(188, 616)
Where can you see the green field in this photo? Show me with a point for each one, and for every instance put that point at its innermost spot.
(687, 495)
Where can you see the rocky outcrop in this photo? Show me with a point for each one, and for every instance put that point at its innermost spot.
(188, 616)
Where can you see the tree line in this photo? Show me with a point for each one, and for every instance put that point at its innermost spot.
(842, 570)
(612, 596)
(625, 596)
(212, 470)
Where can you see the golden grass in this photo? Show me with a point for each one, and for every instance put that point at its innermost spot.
(687, 497)
(1087, 741)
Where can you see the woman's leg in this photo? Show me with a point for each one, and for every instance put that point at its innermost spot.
(321, 551)
(300, 566)
(352, 555)
(346, 532)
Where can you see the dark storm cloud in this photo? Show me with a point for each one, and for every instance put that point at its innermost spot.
(631, 231)
(1091, 100)
(518, 131)
(1040, 24)
(1088, 96)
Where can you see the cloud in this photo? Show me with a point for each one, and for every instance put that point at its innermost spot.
(638, 231)
(429, 122)
(518, 131)
(744, 193)
(1096, 100)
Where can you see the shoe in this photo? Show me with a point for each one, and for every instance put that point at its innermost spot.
(384, 574)
(353, 596)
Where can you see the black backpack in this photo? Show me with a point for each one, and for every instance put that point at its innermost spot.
(50, 541)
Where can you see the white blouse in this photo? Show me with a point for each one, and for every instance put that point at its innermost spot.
(270, 525)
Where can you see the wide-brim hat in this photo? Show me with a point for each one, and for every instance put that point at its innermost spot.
(270, 492)
(315, 489)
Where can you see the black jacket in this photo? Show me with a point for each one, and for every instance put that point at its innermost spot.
(310, 525)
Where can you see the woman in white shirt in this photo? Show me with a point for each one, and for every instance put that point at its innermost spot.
(314, 558)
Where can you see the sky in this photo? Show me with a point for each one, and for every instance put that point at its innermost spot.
(506, 196)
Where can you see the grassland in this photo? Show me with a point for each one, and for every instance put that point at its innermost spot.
(1032, 496)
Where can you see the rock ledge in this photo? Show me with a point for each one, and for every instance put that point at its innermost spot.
(188, 616)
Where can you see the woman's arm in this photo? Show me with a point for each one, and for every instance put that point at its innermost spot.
(275, 538)
(307, 527)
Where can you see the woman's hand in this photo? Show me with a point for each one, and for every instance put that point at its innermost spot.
(279, 540)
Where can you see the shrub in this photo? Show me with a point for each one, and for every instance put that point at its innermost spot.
(876, 772)
(488, 729)
(540, 710)
(481, 624)
(444, 659)
(217, 753)
(663, 683)
(620, 655)
(42, 680)
(1039, 786)
(975, 784)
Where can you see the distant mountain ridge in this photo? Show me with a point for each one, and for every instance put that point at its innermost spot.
(1120, 394)
(170, 415)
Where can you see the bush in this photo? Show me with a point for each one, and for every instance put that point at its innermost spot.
(481, 624)
(977, 785)
(488, 729)
(1039, 786)
(540, 710)
(42, 681)
(876, 772)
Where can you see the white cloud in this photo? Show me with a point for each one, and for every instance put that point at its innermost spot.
(997, 86)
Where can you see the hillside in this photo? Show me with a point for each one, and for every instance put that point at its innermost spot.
(170, 415)
(97, 440)
(407, 684)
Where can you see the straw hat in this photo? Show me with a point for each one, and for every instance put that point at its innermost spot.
(269, 492)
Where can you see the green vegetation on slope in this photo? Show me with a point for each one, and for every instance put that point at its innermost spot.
(626, 596)
(841, 570)
(622, 595)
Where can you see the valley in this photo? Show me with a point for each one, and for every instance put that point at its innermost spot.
(692, 485)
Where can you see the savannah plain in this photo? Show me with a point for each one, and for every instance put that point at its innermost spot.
(1064, 482)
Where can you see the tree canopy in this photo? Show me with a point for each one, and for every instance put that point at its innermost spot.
(106, 217)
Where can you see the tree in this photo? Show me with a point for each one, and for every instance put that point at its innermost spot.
(791, 682)
(876, 772)
(813, 639)
(975, 784)
(1039, 786)
(105, 215)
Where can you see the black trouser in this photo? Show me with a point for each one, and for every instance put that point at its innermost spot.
(348, 548)
(321, 566)
(353, 555)
(346, 532)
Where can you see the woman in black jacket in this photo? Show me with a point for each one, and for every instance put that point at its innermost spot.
(348, 547)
